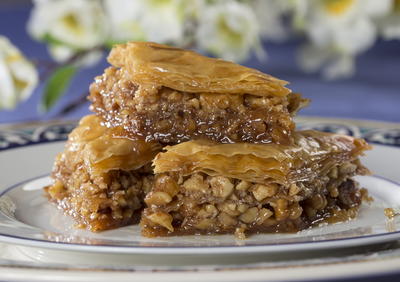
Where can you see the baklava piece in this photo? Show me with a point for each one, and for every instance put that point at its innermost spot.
(172, 95)
(202, 187)
(101, 178)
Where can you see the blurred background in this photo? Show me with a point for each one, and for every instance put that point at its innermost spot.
(342, 54)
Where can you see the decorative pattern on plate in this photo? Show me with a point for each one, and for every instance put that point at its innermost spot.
(384, 136)
(43, 134)
(7, 206)
(50, 133)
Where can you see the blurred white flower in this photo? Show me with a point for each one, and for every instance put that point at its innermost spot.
(77, 25)
(340, 28)
(337, 31)
(146, 20)
(228, 29)
(390, 25)
(18, 77)
(270, 16)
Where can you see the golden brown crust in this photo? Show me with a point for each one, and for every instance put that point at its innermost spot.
(312, 153)
(102, 149)
(183, 70)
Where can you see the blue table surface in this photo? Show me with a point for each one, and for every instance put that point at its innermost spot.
(373, 93)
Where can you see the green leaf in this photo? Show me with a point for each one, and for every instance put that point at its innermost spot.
(51, 40)
(56, 85)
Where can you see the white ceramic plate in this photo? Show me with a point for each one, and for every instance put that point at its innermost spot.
(27, 218)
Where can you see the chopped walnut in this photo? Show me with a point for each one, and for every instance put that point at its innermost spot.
(221, 186)
(226, 219)
(250, 215)
(195, 183)
(162, 219)
(261, 192)
(157, 198)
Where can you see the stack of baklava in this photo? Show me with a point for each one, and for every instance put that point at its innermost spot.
(194, 145)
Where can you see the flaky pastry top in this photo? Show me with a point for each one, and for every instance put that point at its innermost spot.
(313, 154)
(184, 70)
(102, 149)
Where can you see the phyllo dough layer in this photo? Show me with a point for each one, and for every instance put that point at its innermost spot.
(101, 178)
(188, 71)
(207, 188)
(172, 95)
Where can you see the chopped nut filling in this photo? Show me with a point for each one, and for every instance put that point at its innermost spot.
(207, 204)
(101, 179)
(170, 116)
